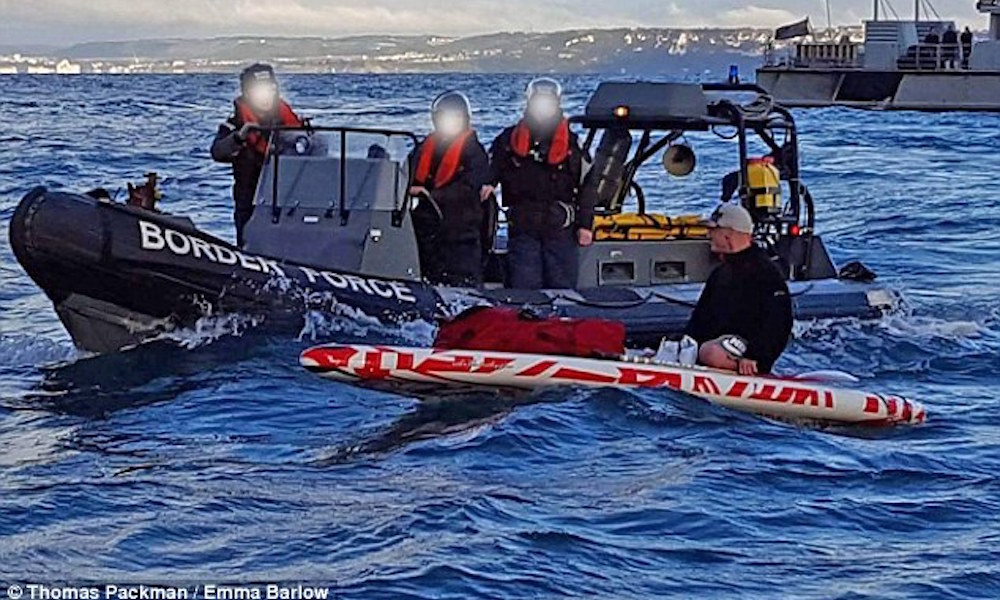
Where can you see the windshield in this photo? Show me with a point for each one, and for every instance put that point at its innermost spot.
(356, 144)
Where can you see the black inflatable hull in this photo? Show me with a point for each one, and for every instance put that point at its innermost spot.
(118, 276)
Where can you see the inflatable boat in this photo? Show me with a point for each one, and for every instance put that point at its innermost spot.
(332, 232)
(424, 371)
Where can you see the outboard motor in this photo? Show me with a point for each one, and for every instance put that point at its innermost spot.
(146, 194)
(603, 182)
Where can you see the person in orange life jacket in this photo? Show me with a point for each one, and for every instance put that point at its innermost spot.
(537, 164)
(240, 143)
(449, 168)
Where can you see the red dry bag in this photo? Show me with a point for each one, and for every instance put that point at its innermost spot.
(510, 330)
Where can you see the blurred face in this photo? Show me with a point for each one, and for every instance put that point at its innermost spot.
(544, 108)
(263, 96)
(450, 123)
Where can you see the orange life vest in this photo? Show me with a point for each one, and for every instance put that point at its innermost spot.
(520, 142)
(440, 175)
(286, 118)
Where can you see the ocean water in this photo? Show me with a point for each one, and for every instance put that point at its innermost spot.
(219, 460)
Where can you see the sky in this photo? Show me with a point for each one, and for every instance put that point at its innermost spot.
(63, 22)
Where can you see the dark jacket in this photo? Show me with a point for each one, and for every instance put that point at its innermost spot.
(246, 160)
(966, 38)
(458, 200)
(533, 189)
(746, 296)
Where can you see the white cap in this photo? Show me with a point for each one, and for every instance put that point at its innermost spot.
(732, 216)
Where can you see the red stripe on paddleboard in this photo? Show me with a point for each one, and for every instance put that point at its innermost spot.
(537, 369)
(907, 410)
(649, 378)
(570, 374)
(331, 358)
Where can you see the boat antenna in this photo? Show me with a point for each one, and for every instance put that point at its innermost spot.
(916, 10)
(929, 9)
(892, 9)
(829, 22)
(877, 2)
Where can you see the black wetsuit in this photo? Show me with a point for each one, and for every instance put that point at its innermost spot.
(746, 296)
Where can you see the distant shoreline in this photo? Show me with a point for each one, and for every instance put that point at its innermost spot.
(624, 51)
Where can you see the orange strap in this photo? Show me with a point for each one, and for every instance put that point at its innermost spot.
(520, 142)
(286, 118)
(439, 175)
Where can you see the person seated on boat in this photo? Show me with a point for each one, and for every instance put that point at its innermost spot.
(449, 169)
(743, 318)
(239, 141)
(966, 40)
(538, 165)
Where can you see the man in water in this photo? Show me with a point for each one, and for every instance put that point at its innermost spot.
(449, 169)
(240, 142)
(744, 316)
(538, 165)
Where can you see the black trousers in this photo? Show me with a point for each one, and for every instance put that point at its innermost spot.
(240, 217)
(451, 262)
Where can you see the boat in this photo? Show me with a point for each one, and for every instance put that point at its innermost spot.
(891, 69)
(332, 233)
(428, 371)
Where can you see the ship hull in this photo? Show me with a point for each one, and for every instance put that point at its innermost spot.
(958, 90)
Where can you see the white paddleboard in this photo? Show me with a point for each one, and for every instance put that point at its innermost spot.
(792, 398)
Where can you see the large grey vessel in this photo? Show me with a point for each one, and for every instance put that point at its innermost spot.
(894, 68)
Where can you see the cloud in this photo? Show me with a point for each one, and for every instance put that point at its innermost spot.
(759, 16)
(67, 21)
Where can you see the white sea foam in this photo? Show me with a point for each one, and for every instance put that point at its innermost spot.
(210, 328)
(345, 322)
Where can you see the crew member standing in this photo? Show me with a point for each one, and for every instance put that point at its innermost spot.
(966, 39)
(450, 168)
(240, 142)
(949, 47)
(537, 164)
(744, 316)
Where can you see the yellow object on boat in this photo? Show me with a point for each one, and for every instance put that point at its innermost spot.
(765, 184)
(637, 227)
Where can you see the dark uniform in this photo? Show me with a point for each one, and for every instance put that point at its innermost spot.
(449, 233)
(247, 155)
(540, 177)
(949, 45)
(966, 40)
(746, 296)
